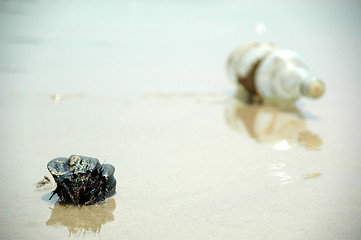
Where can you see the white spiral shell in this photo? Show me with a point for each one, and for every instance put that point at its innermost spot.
(272, 73)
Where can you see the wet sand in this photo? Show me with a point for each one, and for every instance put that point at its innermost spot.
(142, 86)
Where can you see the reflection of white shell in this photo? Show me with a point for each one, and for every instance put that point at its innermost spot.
(281, 129)
(272, 73)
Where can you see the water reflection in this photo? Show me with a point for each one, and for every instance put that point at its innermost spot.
(278, 170)
(80, 219)
(282, 128)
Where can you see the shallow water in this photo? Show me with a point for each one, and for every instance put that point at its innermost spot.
(142, 86)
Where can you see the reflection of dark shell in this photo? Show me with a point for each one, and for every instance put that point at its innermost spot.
(80, 219)
(82, 180)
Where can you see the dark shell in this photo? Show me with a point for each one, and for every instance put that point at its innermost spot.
(82, 180)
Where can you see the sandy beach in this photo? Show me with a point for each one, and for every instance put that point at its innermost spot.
(142, 85)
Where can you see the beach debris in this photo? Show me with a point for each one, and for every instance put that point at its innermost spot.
(56, 98)
(82, 180)
(44, 184)
(266, 72)
(312, 175)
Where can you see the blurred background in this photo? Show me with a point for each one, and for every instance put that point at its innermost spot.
(142, 85)
(113, 46)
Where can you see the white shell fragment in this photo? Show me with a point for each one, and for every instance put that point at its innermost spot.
(264, 70)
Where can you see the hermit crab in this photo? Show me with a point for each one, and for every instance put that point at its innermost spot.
(82, 180)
